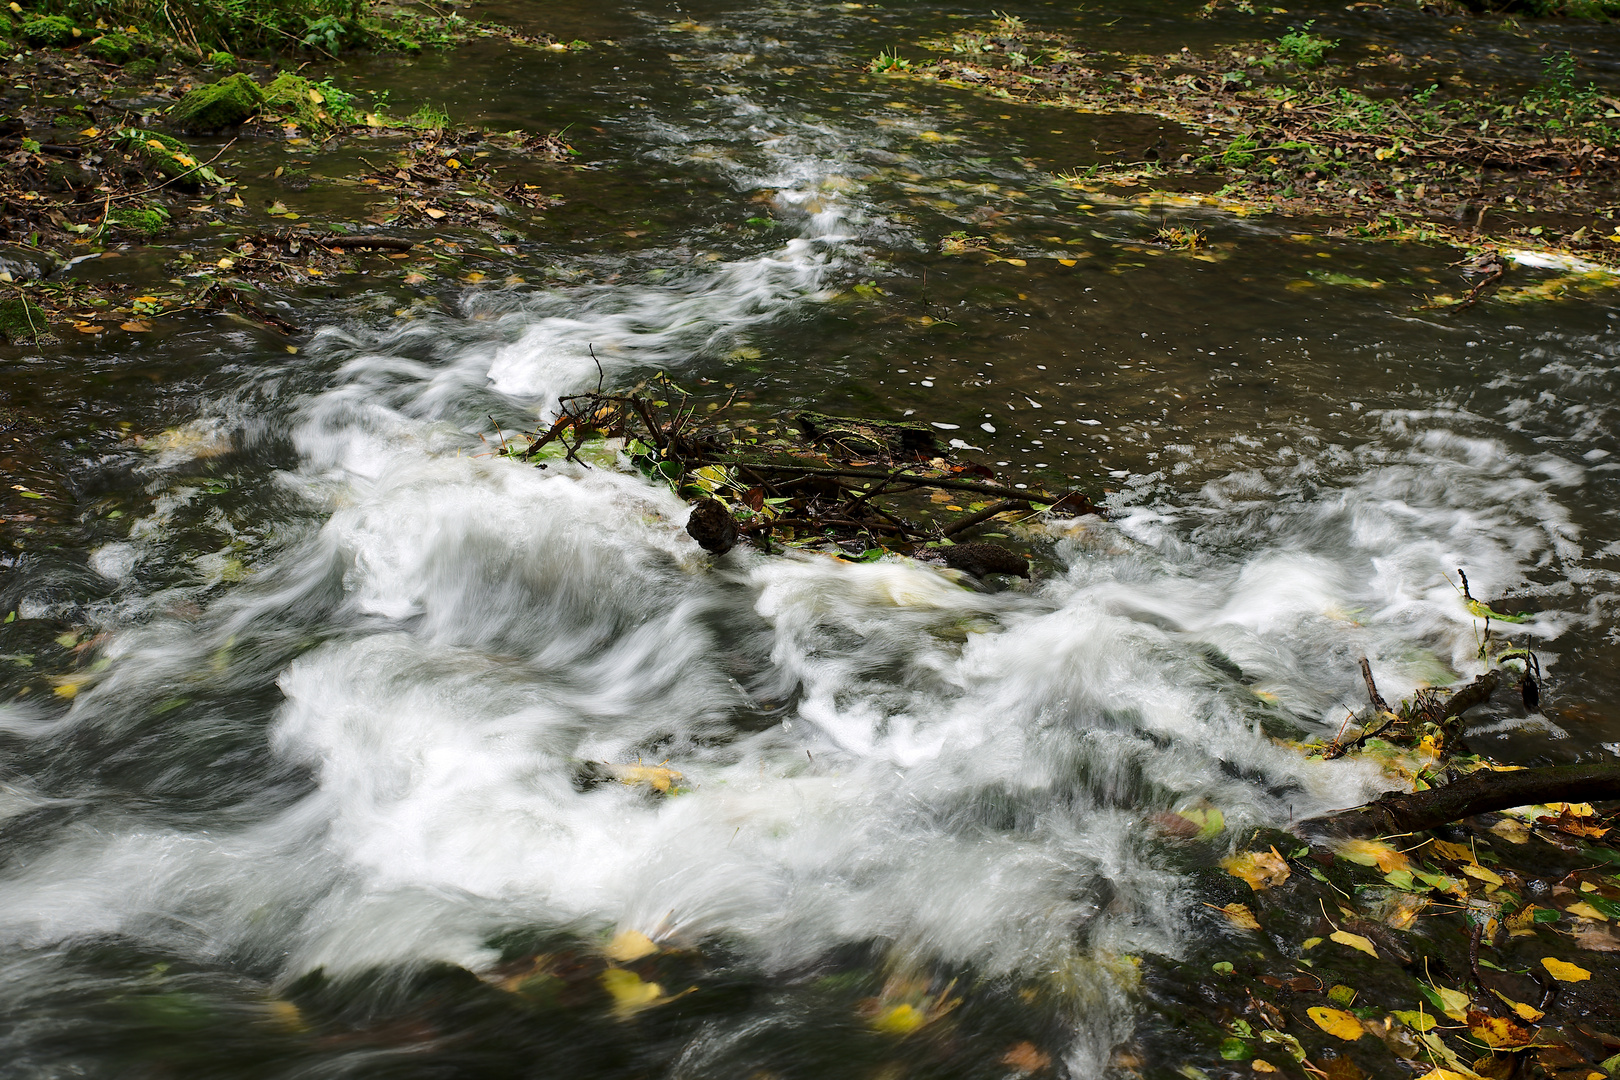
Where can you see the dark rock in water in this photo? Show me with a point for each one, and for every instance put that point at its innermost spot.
(712, 527)
(982, 559)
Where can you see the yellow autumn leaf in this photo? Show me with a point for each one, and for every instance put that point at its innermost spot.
(136, 326)
(1565, 972)
(434, 213)
(1337, 1022)
(900, 1020)
(1261, 869)
(316, 98)
(1355, 941)
(1239, 915)
(90, 132)
(1523, 1011)
(1490, 877)
(452, 163)
(630, 945)
(1453, 1002)
(1371, 853)
(629, 992)
(1446, 1074)
(1498, 1032)
(1586, 911)
(1455, 852)
(654, 776)
(1515, 832)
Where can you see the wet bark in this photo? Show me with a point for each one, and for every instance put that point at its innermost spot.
(1479, 793)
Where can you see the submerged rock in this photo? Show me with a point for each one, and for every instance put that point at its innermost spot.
(982, 559)
(711, 525)
(228, 103)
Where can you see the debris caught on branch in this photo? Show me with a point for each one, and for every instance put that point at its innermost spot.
(850, 481)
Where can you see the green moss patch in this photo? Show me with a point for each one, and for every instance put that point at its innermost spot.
(49, 30)
(114, 48)
(228, 103)
(22, 322)
(148, 221)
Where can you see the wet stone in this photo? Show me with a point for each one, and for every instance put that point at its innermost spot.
(711, 525)
(981, 559)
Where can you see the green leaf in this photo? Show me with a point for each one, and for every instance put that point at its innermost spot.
(1236, 1050)
(1221, 968)
(1544, 915)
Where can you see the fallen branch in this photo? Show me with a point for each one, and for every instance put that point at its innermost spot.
(381, 243)
(948, 482)
(962, 524)
(1479, 793)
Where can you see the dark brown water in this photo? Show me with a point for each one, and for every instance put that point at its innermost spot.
(314, 782)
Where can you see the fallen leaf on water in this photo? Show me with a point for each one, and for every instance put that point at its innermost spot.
(285, 1015)
(1455, 852)
(1490, 877)
(1025, 1057)
(1355, 941)
(136, 326)
(1565, 972)
(630, 993)
(1515, 832)
(1523, 1011)
(1497, 1031)
(1371, 853)
(277, 208)
(414, 278)
(1239, 915)
(1261, 869)
(630, 945)
(434, 213)
(901, 1019)
(88, 328)
(1586, 911)
(654, 776)
(1337, 1022)
(1260, 1065)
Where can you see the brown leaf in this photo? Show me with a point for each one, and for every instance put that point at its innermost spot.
(1261, 869)
(1025, 1057)
(136, 326)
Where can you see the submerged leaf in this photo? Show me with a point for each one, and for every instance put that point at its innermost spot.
(629, 992)
(1261, 869)
(1337, 1022)
(1239, 915)
(1355, 941)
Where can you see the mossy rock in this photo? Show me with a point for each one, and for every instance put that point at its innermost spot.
(23, 323)
(143, 68)
(221, 59)
(113, 47)
(228, 103)
(48, 30)
(148, 221)
(289, 96)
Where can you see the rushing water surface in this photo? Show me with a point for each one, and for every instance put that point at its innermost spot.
(323, 773)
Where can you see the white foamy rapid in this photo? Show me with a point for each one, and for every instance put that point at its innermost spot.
(874, 753)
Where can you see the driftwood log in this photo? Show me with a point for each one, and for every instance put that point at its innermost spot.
(1479, 793)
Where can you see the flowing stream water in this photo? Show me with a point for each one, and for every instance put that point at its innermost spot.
(353, 661)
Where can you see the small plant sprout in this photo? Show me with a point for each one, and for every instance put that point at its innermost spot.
(886, 62)
(1302, 48)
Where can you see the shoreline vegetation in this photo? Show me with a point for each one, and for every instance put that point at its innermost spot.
(1300, 127)
(115, 118)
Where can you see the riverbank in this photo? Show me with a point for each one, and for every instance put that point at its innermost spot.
(1395, 145)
